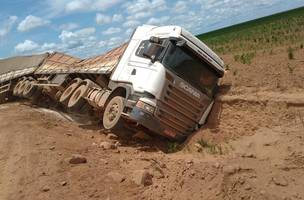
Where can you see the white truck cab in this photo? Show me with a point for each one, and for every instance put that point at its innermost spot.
(172, 77)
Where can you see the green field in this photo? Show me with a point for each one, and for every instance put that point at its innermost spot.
(282, 29)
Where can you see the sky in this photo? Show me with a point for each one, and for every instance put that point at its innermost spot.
(85, 28)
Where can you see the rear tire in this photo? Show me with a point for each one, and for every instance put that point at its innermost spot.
(22, 87)
(76, 101)
(64, 98)
(30, 90)
(16, 88)
(113, 111)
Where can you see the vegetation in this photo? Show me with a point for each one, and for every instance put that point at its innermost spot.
(264, 33)
(245, 58)
(173, 147)
(210, 147)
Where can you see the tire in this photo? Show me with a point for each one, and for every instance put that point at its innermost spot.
(29, 90)
(16, 88)
(76, 101)
(113, 111)
(64, 98)
(22, 87)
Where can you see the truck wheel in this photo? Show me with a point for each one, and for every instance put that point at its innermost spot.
(16, 88)
(29, 90)
(76, 102)
(112, 113)
(22, 87)
(64, 98)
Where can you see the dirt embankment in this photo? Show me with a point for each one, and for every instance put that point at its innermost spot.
(251, 148)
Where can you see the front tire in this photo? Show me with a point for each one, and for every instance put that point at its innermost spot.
(113, 111)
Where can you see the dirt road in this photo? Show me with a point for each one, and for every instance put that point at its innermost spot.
(36, 145)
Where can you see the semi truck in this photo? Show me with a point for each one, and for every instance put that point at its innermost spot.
(163, 79)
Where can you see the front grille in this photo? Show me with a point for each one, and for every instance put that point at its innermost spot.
(178, 110)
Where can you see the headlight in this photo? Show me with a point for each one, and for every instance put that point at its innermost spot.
(145, 106)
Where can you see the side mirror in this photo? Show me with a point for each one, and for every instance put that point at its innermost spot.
(153, 51)
(178, 41)
(154, 39)
(181, 43)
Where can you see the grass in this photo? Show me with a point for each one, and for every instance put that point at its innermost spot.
(264, 33)
(210, 147)
(245, 58)
(173, 147)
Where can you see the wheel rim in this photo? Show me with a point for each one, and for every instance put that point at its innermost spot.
(77, 95)
(17, 88)
(68, 92)
(22, 87)
(112, 113)
(27, 88)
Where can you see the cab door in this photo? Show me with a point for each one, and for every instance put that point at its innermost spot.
(140, 67)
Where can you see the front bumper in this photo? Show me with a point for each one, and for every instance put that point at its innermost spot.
(152, 123)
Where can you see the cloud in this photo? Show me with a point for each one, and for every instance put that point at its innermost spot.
(145, 6)
(111, 30)
(139, 15)
(26, 46)
(180, 6)
(139, 10)
(158, 21)
(58, 8)
(102, 19)
(78, 38)
(49, 47)
(117, 18)
(106, 19)
(7, 26)
(114, 41)
(69, 26)
(89, 5)
(131, 23)
(31, 22)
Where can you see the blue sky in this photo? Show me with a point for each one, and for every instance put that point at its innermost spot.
(86, 28)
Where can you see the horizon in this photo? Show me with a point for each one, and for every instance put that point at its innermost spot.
(83, 31)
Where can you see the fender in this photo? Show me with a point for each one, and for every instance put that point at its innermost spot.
(113, 86)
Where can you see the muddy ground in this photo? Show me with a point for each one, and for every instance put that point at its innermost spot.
(251, 148)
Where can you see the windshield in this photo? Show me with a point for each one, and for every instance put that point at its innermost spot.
(190, 68)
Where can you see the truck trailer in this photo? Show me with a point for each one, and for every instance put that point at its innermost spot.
(163, 78)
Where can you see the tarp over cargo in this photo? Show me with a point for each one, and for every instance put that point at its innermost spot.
(57, 63)
(102, 64)
(15, 67)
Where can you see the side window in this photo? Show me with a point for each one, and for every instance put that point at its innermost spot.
(143, 45)
(148, 47)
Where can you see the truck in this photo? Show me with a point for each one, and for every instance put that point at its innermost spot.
(164, 79)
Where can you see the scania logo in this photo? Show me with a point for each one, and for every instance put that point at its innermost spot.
(189, 89)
